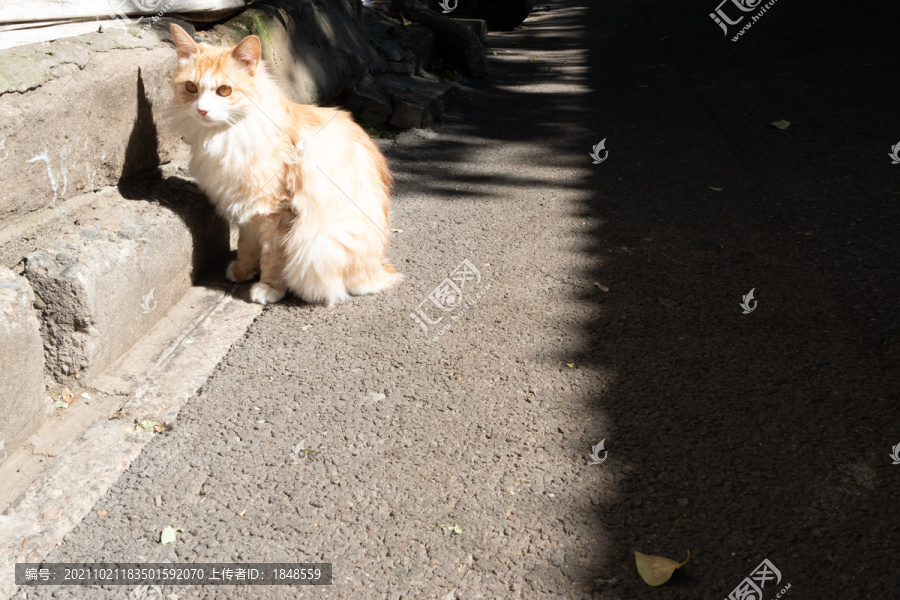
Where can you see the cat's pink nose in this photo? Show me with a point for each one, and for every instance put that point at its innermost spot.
(202, 112)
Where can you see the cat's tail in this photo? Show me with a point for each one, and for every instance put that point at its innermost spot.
(374, 281)
(326, 269)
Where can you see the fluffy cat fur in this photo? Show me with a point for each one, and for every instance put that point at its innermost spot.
(305, 185)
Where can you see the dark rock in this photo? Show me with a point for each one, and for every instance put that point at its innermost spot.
(417, 101)
(368, 103)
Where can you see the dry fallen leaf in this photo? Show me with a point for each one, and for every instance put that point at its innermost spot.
(168, 534)
(67, 395)
(656, 570)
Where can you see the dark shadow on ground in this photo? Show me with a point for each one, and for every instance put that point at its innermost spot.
(209, 232)
(737, 437)
(760, 436)
(142, 179)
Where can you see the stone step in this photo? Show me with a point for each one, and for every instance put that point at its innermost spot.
(405, 49)
(399, 100)
(416, 101)
(22, 399)
(77, 115)
(108, 276)
(479, 26)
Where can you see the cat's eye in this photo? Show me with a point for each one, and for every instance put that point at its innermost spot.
(224, 90)
(191, 87)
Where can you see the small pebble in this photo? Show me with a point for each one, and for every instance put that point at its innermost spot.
(70, 271)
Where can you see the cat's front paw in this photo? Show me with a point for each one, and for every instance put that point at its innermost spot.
(262, 293)
(235, 274)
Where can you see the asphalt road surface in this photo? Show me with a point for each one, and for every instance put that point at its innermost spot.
(599, 302)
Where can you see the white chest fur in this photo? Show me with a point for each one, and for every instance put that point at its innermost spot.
(229, 164)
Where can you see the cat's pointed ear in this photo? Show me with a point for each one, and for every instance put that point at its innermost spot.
(185, 46)
(248, 52)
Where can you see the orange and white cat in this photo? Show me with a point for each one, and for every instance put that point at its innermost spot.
(305, 185)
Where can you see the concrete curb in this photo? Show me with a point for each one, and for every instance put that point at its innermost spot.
(209, 321)
(21, 354)
(55, 504)
(101, 283)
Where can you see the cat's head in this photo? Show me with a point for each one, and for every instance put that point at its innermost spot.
(215, 86)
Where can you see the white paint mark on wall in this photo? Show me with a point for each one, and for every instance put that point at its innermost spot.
(43, 156)
(3, 150)
(63, 170)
